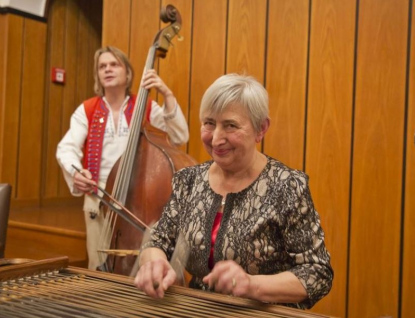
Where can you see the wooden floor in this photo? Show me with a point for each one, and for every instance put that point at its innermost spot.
(41, 233)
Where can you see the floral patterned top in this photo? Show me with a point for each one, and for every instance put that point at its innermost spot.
(267, 228)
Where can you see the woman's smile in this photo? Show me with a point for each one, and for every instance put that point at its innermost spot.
(220, 152)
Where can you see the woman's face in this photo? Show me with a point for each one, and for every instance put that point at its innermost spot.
(230, 138)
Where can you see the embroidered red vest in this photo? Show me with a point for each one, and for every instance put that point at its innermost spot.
(97, 115)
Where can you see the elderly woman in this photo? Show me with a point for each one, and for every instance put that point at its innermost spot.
(248, 220)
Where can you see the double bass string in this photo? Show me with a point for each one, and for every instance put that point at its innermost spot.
(125, 169)
(127, 160)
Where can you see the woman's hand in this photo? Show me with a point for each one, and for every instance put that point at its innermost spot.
(229, 278)
(83, 181)
(154, 277)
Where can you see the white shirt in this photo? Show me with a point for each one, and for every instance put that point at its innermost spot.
(70, 148)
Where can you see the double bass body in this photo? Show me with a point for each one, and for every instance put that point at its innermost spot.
(149, 190)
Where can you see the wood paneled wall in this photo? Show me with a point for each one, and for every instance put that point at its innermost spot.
(74, 34)
(341, 105)
(22, 104)
(408, 193)
(35, 112)
(378, 156)
(340, 75)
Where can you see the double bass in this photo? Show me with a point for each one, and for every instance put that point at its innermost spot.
(141, 178)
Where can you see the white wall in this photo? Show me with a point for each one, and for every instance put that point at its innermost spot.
(35, 7)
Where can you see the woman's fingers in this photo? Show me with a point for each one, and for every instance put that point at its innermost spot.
(154, 277)
(228, 278)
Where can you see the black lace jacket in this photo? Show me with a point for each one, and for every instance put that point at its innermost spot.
(269, 227)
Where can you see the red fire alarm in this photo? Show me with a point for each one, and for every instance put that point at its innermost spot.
(58, 75)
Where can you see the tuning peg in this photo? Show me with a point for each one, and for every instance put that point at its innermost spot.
(168, 38)
(176, 30)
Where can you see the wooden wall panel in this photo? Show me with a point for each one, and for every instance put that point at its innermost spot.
(329, 127)
(377, 159)
(116, 29)
(54, 96)
(3, 68)
(174, 69)
(286, 70)
(69, 101)
(70, 61)
(13, 72)
(46, 242)
(208, 63)
(145, 23)
(88, 42)
(31, 116)
(246, 38)
(408, 274)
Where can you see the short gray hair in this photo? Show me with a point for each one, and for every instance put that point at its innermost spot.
(241, 89)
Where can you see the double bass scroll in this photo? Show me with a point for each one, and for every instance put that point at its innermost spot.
(141, 178)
